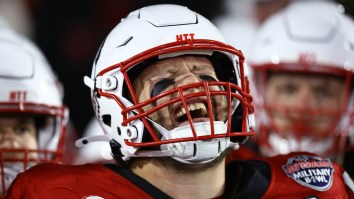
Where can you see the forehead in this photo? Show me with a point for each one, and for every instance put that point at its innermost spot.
(173, 65)
(284, 76)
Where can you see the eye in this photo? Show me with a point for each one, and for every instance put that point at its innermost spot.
(323, 92)
(22, 129)
(287, 89)
(207, 78)
(161, 86)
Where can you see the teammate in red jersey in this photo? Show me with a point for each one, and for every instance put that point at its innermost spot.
(32, 115)
(303, 67)
(173, 99)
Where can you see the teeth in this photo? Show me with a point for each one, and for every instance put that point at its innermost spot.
(192, 107)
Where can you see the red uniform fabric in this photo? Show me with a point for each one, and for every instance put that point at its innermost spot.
(260, 178)
(282, 186)
(243, 153)
(63, 182)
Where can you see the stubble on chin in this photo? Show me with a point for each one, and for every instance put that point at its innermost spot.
(177, 166)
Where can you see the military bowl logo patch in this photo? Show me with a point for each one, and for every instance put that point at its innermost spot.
(309, 171)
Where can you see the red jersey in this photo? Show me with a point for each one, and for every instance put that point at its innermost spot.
(314, 177)
(285, 176)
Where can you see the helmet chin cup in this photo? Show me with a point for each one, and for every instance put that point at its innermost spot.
(199, 152)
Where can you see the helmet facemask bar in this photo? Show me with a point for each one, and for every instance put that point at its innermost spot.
(135, 112)
(27, 107)
(231, 102)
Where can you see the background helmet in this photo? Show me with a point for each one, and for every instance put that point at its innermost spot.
(154, 33)
(29, 86)
(301, 39)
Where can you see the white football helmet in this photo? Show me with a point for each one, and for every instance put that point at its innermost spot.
(29, 86)
(3, 23)
(308, 37)
(154, 33)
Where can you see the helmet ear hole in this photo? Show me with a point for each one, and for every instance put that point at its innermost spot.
(106, 120)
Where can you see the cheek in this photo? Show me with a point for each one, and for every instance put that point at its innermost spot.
(144, 94)
(30, 142)
(164, 110)
(336, 102)
(270, 95)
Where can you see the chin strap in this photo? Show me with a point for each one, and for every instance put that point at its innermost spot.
(96, 138)
(115, 146)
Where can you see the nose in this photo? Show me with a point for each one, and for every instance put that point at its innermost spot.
(304, 105)
(186, 77)
(307, 99)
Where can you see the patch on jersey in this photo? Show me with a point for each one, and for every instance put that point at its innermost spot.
(93, 197)
(310, 171)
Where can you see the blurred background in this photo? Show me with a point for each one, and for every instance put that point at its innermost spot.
(70, 32)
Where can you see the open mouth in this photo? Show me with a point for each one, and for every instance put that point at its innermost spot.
(196, 110)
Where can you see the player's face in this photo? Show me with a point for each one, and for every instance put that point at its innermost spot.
(17, 132)
(172, 73)
(307, 103)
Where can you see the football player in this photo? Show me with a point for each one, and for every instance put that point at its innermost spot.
(32, 115)
(303, 67)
